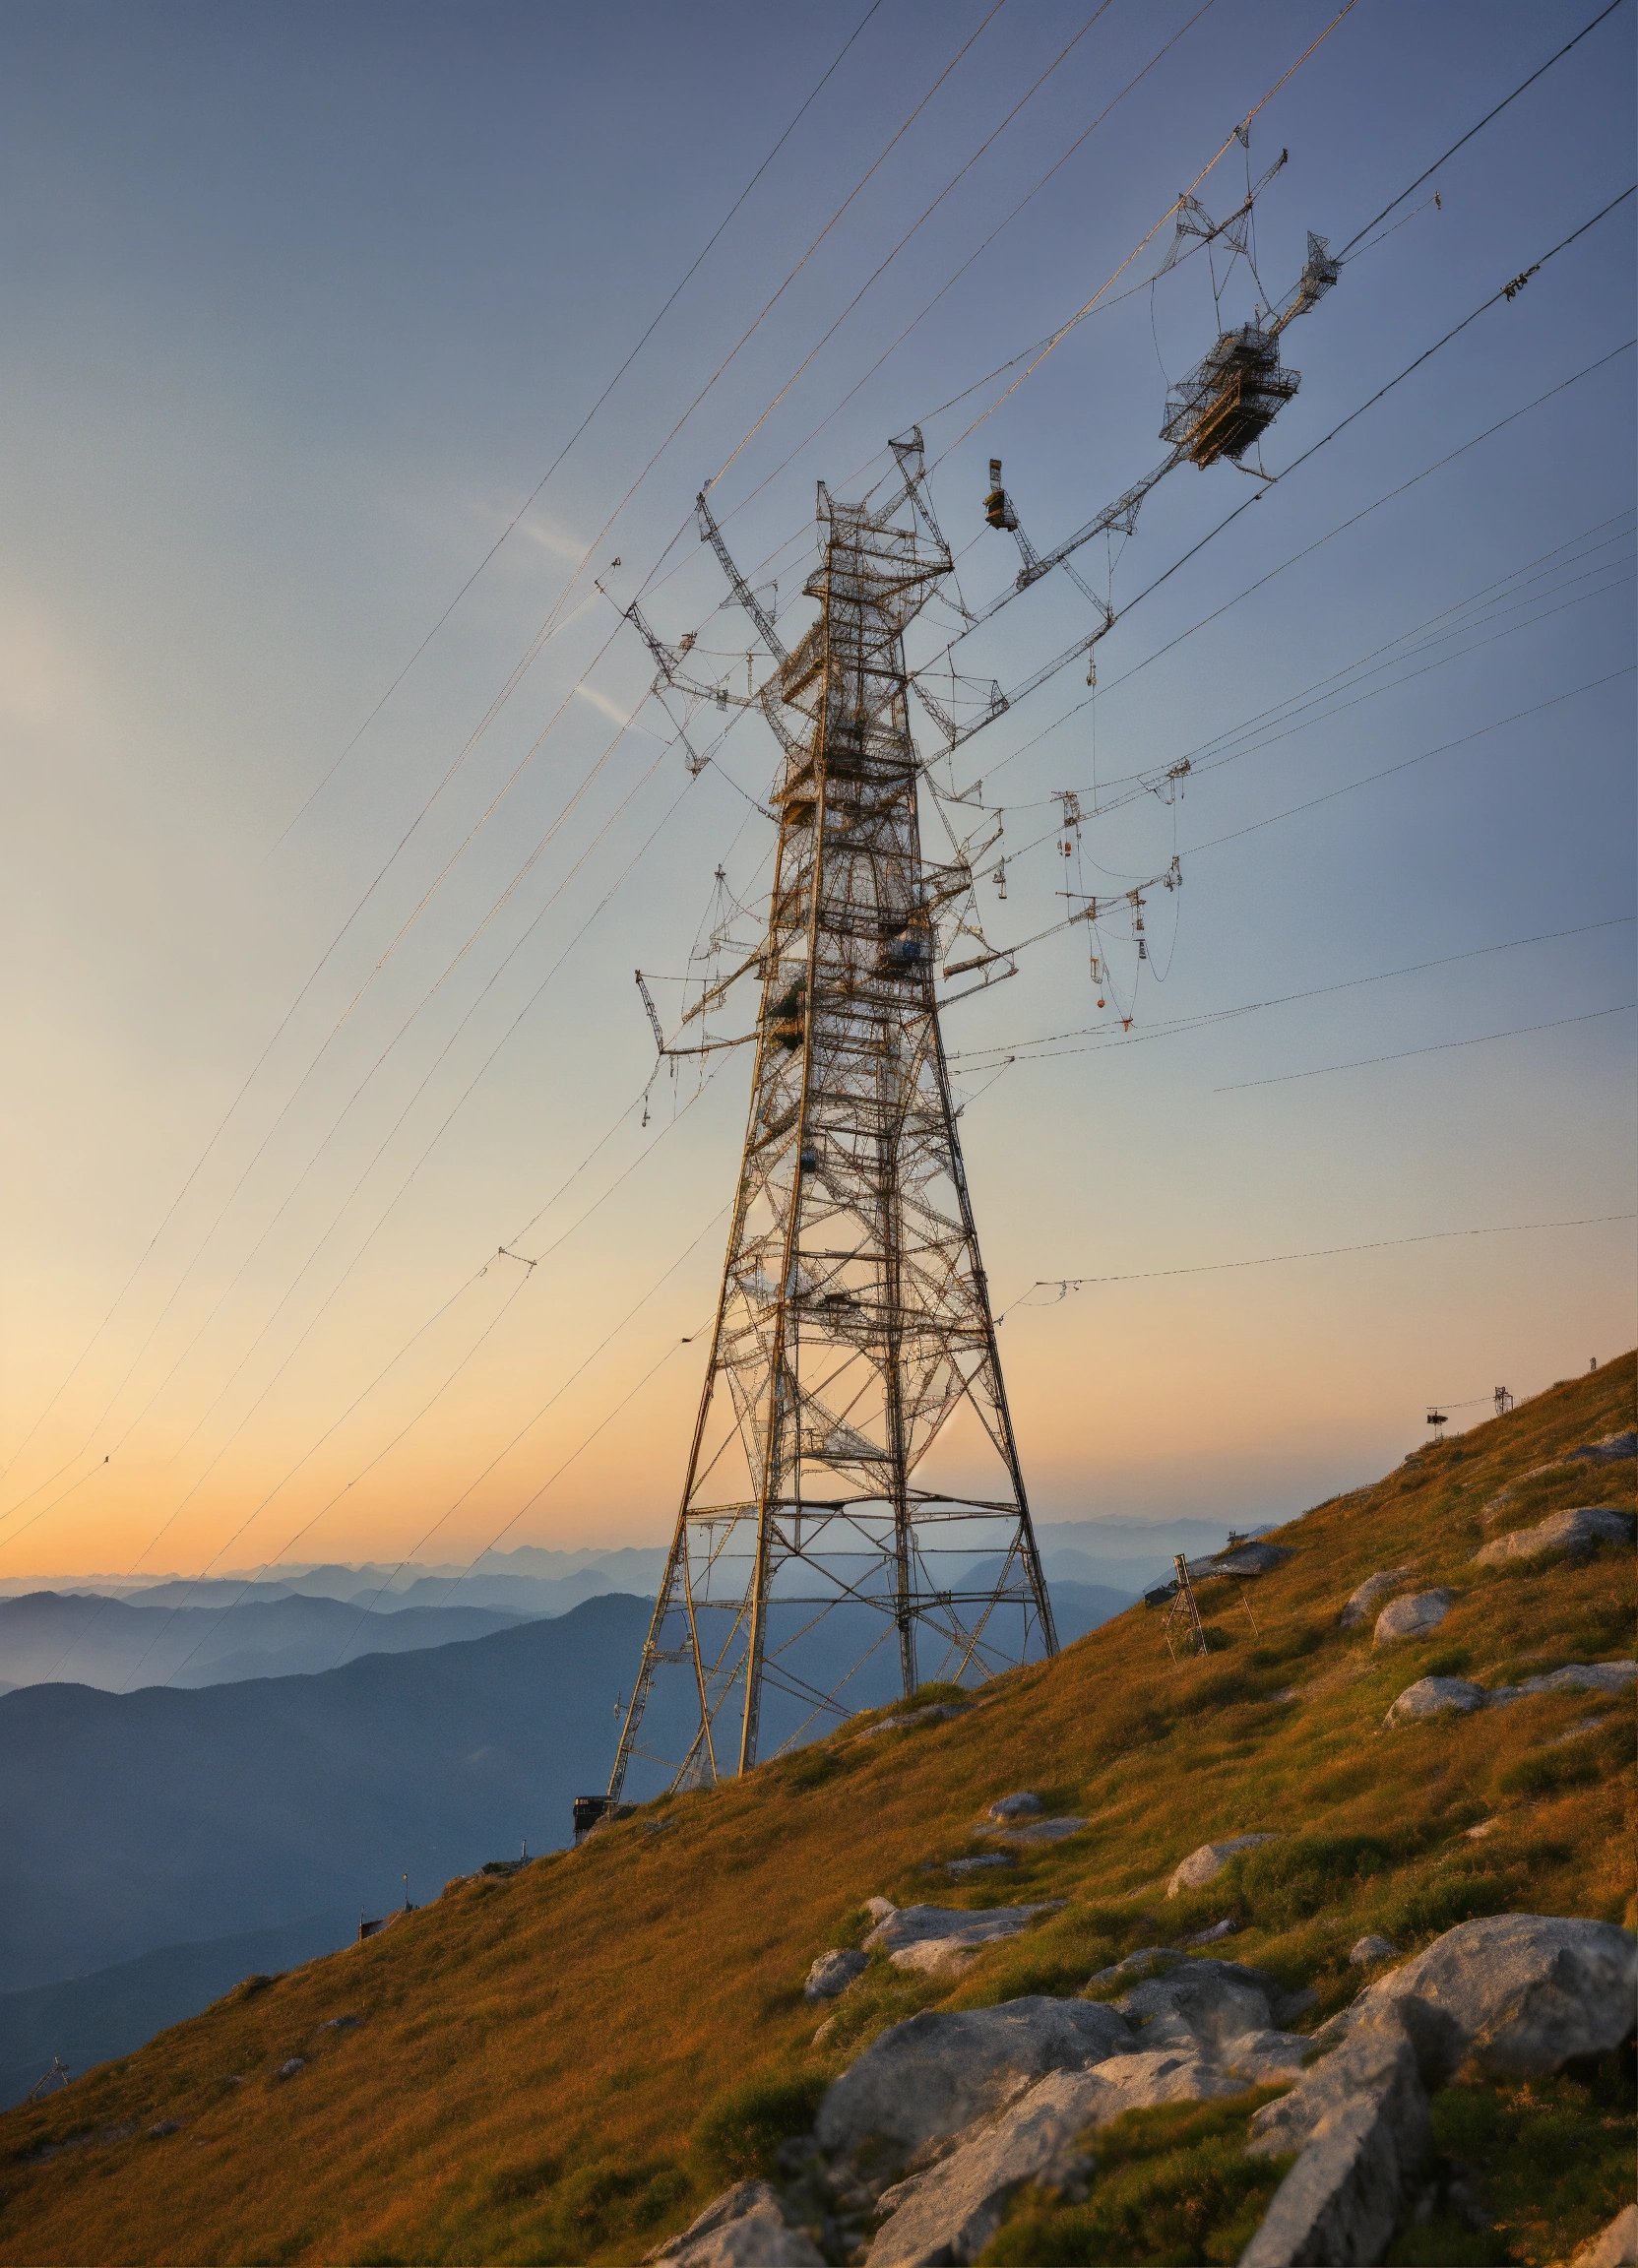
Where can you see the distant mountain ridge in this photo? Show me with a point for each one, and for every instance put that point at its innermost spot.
(120, 1643)
(536, 1579)
(138, 1820)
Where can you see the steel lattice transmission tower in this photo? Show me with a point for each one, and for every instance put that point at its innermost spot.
(853, 1499)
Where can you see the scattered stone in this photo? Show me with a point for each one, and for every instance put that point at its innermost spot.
(1244, 1559)
(291, 2066)
(980, 1864)
(1481, 1828)
(1518, 1995)
(1366, 1951)
(824, 2032)
(1362, 1604)
(1615, 2246)
(831, 1973)
(943, 1939)
(166, 2126)
(1358, 2119)
(1431, 1696)
(1006, 1808)
(933, 1714)
(1579, 1533)
(1218, 1930)
(1207, 1864)
(341, 2024)
(744, 2227)
(935, 2073)
(1039, 1830)
(1574, 1678)
(1410, 1616)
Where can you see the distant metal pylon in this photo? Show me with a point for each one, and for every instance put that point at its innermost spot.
(853, 1481)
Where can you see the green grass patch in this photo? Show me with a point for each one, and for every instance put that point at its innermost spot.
(740, 2134)
(1172, 2185)
(601, 2204)
(1432, 1903)
(1299, 1875)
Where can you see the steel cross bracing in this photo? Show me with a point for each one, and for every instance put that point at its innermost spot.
(854, 1520)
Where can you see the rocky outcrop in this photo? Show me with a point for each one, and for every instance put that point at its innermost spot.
(951, 2212)
(942, 1940)
(1363, 1603)
(1577, 1533)
(1410, 1616)
(1512, 1994)
(831, 1973)
(1516, 1994)
(932, 2075)
(744, 2227)
(1358, 2122)
(1207, 1864)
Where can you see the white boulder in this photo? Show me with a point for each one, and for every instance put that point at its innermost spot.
(1432, 1696)
(1207, 1864)
(1518, 1995)
(744, 2227)
(1574, 1678)
(935, 2073)
(1578, 1532)
(1366, 1951)
(942, 1940)
(1410, 1616)
(1039, 1830)
(1363, 1603)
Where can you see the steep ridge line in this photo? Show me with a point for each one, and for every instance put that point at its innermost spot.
(568, 2064)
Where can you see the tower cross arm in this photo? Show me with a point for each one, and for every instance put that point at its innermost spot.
(711, 533)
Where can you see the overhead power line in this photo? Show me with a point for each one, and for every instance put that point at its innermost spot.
(1439, 1047)
(1063, 1285)
(1427, 174)
(509, 686)
(539, 486)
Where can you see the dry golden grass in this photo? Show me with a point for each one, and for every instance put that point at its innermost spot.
(534, 2056)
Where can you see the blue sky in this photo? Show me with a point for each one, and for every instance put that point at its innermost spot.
(303, 301)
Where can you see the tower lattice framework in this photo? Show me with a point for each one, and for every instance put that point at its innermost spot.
(853, 1519)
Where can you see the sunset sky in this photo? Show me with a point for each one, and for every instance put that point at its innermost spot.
(303, 301)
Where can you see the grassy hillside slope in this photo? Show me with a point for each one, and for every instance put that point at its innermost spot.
(535, 2062)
